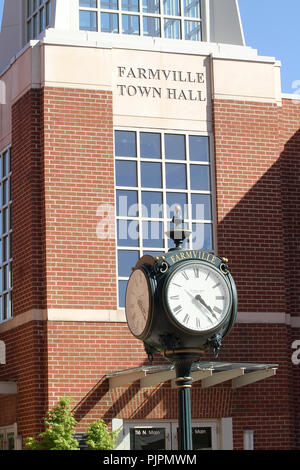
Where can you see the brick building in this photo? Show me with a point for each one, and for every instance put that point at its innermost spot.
(109, 109)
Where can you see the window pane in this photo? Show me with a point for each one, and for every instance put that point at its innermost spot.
(150, 145)
(88, 20)
(152, 204)
(126, 173)
(172, 29)
(151, 26)
(122, 292)
(192, 30)
(125, 144)
(172, 7)
(191, 8)
(42, 19)
(130, 24)
(199, 175)
(175, 199)
(127, 203)
(175, 146)
(126, 260)
(147, 438)
(201, 206)
(48, 13)
(202, 236)
(109, 4)
(88, 3)
(151, 175)
(151, 6)
(153, 234)
(199, 149)
(130, 5)
(175, 176)
(128, 233)
(109, 23)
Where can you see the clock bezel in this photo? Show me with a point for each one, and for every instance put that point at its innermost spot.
(151, 290)
(168, 309)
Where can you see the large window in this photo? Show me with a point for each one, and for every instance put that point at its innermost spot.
(173, 19)
(5, 237)
(38, 17)
(155, 171)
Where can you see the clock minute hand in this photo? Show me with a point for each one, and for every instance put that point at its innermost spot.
(198, 297)
(195, 298)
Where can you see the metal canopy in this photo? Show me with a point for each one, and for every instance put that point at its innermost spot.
(209, 373)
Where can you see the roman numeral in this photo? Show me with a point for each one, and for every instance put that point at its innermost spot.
(217, 310)
(185, 275)
(220, 297)
(198, 324)
(208, 274)
(196, 272)
(174, 297)
(216, 285)
(186, 319)
(174, 284)
(177, 309)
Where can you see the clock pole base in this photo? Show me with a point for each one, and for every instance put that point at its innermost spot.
(183, 360)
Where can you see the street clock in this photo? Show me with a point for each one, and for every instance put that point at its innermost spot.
(183, 300)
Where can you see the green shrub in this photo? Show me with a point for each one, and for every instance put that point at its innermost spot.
(99, 437)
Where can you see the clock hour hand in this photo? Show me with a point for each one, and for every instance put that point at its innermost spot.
(195, 298)
(198, 297)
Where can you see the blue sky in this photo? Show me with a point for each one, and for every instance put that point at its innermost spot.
(272, 27)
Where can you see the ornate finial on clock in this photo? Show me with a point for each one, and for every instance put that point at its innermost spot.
(178, 233)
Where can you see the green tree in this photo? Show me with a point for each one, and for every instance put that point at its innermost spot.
(60, 424)
(99, 437)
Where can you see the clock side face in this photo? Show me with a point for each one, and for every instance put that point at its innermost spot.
(137, 302)
(198, 297)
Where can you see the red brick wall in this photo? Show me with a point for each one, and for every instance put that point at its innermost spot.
(28, 209)
(79, 178)
(249, 210)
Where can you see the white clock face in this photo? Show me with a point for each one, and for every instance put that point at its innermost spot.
(137, 302)
(198, 297)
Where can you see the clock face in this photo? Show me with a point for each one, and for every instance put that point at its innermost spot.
(198, 297)
(137, 302)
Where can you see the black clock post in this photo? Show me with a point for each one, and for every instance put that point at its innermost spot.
(181, 304)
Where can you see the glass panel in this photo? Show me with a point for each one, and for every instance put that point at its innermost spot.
(35, 26)
(150, 145)
(147, 439)
(109, 4)
(88, 20)
(192, 30)
(127, 203)
(128, 232)
(130, 24)
(130, 5)
(28, 8)
(109, 23)
(151, 26)
(29, 37)
(172, 29)
(6, 306)
(152, 234)
(5, 249)
(5, 192)
(122, 292)
(11, 441)
(5, 218)
(175, 176)
(191, 8)
(199, 175)
(151, 175)
(151, 6)
(5, 277)
(201, 206)
(175, 146)
(126, 260)
(6, 164)
(125, 144)
(152, 204)
(42, 19)
(202, 236)
(126, 173)
(172, 7)
(199, 149)
(88, 3)
(173, 199)
(48, 14)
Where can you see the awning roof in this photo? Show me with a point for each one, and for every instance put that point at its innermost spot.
(209, 373)
(2, 353)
